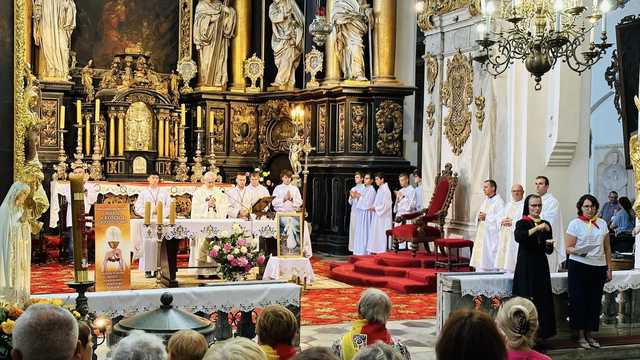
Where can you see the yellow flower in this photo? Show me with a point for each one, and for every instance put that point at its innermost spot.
(57, 302)
(76, 314)
(7, 326)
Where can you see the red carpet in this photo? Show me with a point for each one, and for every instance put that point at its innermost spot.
(400, 272)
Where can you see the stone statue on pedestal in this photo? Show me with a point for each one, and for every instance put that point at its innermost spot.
(288, 29)
(213, 27)
(53, 23)
(351, 21)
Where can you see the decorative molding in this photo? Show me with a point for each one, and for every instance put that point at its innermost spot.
(340, 134)
(562, 153)
(322, 128)
(434, 8)
(275, 128)
(457, 95)
(430, 119)
(184, 34)
(480, 115)
(243, 128)
(612, 75)
(358, 128)
(49, 114)
(389, 126)
(431, 64)
(218, 129)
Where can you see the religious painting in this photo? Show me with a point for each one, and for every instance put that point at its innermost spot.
(628, 33)
(108, 27)
(113, 243)
(289, 234)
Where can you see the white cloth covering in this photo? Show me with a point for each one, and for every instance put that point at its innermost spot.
(382, 219)
(353, 218)
(551, 212)
(285, 268)
(485, 245)
(507, 245)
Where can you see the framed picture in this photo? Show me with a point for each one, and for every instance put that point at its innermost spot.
(289, 234)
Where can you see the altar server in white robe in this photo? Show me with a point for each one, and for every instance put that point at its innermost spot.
(405, 197)
(485, 245)
(551, 212)
(209, 202)
(364, 216)
(507, 245)
(354, 195)
(256, 190)
(239, 198)
(288, 199)
(382, 217)
(417, 179)
(148, 250)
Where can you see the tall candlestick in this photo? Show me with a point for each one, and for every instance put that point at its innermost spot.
(199, 117)
(210, 121)
(161, 138)
(97, 117)
(159, 214)
(604, 22)
(147, 213)
(183, 115)
(62, 109)
(87, 131)
(172, 213)
(77, 211)
(79, 112)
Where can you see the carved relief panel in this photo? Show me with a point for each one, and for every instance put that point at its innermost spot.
(216, 134)
(322, 128)
(275, 128)
(340, 129)
(358, 141)
(243, 128)
(49, 113)
(457, 95)
(139, 128)
(389, 128)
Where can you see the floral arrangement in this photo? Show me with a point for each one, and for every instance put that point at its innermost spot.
(235, 253)
(263, 174)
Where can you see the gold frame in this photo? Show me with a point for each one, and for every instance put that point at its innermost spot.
(300, 216)
(19, 105)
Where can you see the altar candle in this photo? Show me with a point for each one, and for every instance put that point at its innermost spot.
(79, 112)
(210, 121)
(62, 109)
(120, 136)
(199, 117)
(87, 139)
(172, 213)
(161, 138)
(97, 117)
(159, 213)
(183, 115)
(147, 213)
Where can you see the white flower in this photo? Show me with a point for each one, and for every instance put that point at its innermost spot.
(236, 251)
(237, 229)
(243, 249)
(224, 233)
(216, 247)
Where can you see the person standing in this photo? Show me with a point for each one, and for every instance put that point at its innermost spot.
(507, 245)
(485, 245)
(610, 207)
(417, 179)
(354, 195)
(405, 197)
(589, 268)
(531, 278)
(382, 217)
(287, 196)
(364, 217)
(239, 198)
(551, 212)
(256, 190)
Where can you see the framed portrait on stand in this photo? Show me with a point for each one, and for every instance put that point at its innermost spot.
(289, 234)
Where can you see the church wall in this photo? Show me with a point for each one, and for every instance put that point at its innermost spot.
(6, 96)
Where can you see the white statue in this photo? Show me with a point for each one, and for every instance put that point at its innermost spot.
(53, 23)
(294, 158)
(351, 20)
(288, 30)
(213, 27)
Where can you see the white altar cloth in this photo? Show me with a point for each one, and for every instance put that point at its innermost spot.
(244, 296)
(500, 285)
(283, 268)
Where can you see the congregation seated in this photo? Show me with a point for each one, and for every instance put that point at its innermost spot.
(374, 309)
(139, 345)
(276, 328)
(518, 320)
(470, 335)
(187, 345)
(238, 348)
(378, 351)
(316, 353)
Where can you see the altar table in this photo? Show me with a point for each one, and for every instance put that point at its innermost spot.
(287, 267)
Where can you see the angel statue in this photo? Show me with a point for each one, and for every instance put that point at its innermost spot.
(87, 80)
(294, 158)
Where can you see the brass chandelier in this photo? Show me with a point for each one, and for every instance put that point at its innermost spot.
(540, 33)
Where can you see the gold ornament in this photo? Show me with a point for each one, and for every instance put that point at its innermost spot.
(457, 95)
(322, 127)
(358, 126)
(313, 64)
(389, 126)
(431, 121)
(254, 70)
(480, 104)
(431, 63)
(340, 127)
(634, 156)
(243, 128)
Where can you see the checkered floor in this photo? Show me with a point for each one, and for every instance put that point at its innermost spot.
(418, 335)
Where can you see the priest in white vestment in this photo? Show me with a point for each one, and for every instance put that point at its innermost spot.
(405, 197)
(354, 195)
(382, 217)
(417, 179)
(485, 245)
(256, 190)
(507, 245)
(209, 202)
(239, 198)
(364, 217)
(288, 199)
(551, 212)
(151, 194)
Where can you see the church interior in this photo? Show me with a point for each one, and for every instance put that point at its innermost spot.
(319, 179)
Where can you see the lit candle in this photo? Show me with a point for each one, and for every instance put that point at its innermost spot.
(183, 115)
(161, 138)
(592, 35)
(62, 117)
(87, 131)
(210, 121)
(112, 134)
(199, 117)
(159, 214)
(147, 213)
(172, 213)
(79, 112)
(120, 135)
(604, 22)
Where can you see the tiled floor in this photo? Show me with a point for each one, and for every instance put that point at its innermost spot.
(418, 335)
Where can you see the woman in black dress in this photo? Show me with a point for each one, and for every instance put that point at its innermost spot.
(531, 279)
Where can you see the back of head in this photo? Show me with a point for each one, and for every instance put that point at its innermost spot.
(374, 306)
(276, 325)
(140, 346)
(238, 348)
(470, 334)
(378, 351)
(316, 353)
(187, 345)
(45, 331)
(518, 320)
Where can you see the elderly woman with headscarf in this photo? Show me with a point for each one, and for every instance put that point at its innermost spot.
(374, 309)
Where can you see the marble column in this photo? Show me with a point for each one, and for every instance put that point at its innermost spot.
(240, 44)
(332, 66)
(384, 40)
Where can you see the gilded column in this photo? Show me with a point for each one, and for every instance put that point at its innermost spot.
(121, 134)
(166, 136)
(112, 133)
(384, 39)
(28, 30)
(240, 44)
(332, 69)
(161, 138)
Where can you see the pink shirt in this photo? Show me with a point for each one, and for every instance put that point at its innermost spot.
(526, 355)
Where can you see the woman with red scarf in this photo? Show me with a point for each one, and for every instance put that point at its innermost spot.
(276, 327)
(531, 279)
(589, 266)
(374, 309)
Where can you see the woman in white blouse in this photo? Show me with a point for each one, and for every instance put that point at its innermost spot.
(589, 266)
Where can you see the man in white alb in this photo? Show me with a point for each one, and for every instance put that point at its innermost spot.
(151, 194)
(485, 245)
(507, 245)
(239, 198)
(354, 195)
(417, 178)
(405, 197)
(382, 217)
(551, 213)
(209, 202)
(256, 190)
